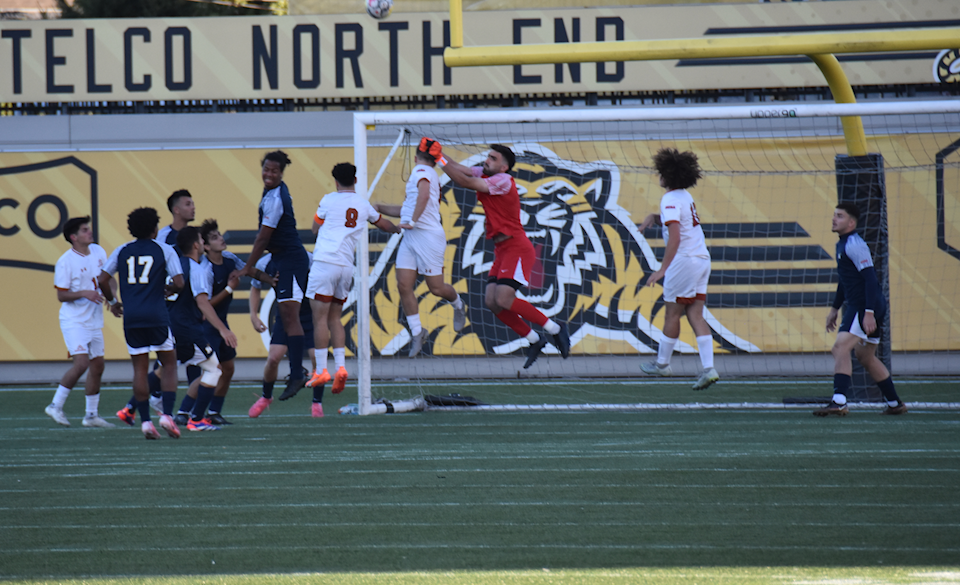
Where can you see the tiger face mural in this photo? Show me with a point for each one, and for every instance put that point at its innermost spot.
(590, 268)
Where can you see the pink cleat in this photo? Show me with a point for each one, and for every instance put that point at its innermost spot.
(259, 406)
(316, 410)
(168, 424)
(149, 431)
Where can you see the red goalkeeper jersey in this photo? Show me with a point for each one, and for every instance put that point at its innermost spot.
(501, 205)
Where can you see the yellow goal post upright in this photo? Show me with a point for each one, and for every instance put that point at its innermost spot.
(814, 130)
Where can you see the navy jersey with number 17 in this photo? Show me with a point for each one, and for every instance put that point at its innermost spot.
(142, 267)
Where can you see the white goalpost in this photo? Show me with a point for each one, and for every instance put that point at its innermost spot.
(772, 176)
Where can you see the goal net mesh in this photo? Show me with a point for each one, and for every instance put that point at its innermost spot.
(766, 200)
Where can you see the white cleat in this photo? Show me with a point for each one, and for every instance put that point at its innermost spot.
(168, 424)
(460, 316)
(96, 422)
(149, 431)
(416, 344)
(656, 369)
(707, 378)
(57, 415)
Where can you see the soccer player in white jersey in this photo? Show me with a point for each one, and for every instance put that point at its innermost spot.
(81, 319)
(685, 268)
(422, 247)
(340, 222)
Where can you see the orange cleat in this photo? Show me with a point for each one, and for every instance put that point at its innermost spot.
(318, 378)
(340, 380)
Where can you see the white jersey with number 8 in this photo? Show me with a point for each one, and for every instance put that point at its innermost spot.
(343, 217)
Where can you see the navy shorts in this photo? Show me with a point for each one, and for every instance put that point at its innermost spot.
(279, 336)
(192, 347)
(224, 352)
(292, 279)
(141, 337)
(853, 322)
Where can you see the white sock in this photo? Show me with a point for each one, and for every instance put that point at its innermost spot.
(840, 399)
(457, 304)
(61, 396)
(551, 327)
(93, 404)
(533, 337)
(321, 359)
(414, 322)
(666, 350)
(892, 403)
(340, 357)
(705, 345)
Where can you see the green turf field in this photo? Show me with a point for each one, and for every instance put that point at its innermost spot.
(706, 496)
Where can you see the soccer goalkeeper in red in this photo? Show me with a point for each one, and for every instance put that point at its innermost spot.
(513, 254)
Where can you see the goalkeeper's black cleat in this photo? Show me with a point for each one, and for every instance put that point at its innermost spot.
(562, 341)
(534, 351)
(293, 386)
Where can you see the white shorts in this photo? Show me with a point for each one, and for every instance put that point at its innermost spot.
(329, 282)
(82, 340)
(423, 251)
(686, 280)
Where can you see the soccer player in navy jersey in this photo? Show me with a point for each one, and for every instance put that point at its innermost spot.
(186, 317)
(278, 340)
(223, 268)
(864, 312)
(183, 211)
(278, 234)
(142, 266)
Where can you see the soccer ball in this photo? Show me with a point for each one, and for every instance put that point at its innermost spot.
(379, 9)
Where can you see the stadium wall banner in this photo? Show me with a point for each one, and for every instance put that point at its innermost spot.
(339, 56)
(582, 220)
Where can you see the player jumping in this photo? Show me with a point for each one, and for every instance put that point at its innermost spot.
(513, 254)
(422, 247)
(340, 222)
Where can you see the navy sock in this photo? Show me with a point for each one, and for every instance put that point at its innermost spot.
(153, 381)
(186, 405)
(193, 372)
(295, 355)
(144, 408)
(318, 393)
(132, 404)
(841, 383)
(268, 390)
(887, 389)
(204, 394)
(169, 401)
(216, 404)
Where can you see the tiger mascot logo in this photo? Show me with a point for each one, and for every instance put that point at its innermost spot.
(591, 264)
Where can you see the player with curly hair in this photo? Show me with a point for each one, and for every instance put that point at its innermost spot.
(685, 268)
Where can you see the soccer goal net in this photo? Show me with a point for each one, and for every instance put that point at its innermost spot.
(773, 175)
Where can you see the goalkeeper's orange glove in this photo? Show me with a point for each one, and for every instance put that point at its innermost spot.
(433, 148)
